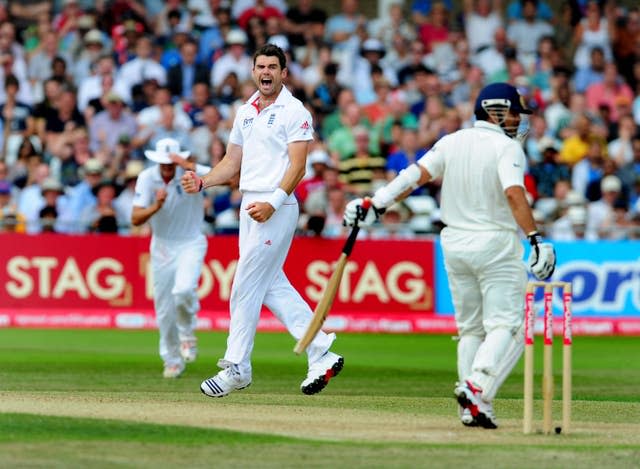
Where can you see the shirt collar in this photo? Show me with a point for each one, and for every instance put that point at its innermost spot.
(282, 98)
(480, 124)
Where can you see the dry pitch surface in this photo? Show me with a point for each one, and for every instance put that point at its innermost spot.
(240, 413)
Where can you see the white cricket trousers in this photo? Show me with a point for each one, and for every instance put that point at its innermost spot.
(176, 266)
(487, 279)
(259, 280)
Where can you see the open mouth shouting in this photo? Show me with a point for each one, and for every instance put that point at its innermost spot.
(266, 84)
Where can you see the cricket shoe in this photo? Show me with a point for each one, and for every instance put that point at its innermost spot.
(469, 398)
(320, 372)
(224, 382)
(189, 350)
(173, 371)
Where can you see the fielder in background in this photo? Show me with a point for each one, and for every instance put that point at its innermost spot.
(482, 204)
(177, 250)
(268, 146)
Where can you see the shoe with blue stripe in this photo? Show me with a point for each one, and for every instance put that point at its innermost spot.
(224, 382)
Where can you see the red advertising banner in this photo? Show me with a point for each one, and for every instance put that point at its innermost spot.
(105, 281)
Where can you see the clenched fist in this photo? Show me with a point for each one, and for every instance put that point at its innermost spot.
(191, 182)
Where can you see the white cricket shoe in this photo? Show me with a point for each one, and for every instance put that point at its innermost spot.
(189, 350)
(224, 382)
(468, 397)
(173, 371)
(320, 372)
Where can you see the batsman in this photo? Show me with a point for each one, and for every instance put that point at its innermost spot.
(483, 202)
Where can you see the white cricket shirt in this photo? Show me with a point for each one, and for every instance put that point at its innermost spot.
(181, 215)
(264, 137)
(476, 166)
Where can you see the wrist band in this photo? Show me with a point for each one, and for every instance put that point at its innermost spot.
(277, 198)
(201, 186)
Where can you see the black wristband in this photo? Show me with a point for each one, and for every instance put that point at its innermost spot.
(201, 186)
(534, 238)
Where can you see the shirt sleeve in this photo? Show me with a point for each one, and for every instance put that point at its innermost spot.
(299, 126)
(235, 136)
(433, 160)
(142, 196)
(511, 164)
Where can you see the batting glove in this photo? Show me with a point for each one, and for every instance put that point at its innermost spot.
(542, 259)
(355, 214)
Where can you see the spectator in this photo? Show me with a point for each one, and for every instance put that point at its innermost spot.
(235, 60)
(80, 197)
(525, 33)
(211, 40)
(481, 20)
(341, 142)
(10, 67)
(435, 30)
(183, 76)
(17, 120)
(53, 200)
(601, 212)
(140, 67)
(549, 170)
(588, 169)
(342, 26)
(202, 136)
(94, 46)
(392, 25)
(30, 198)
(516, 10)
(629, 172)
(609, 91)
(149, 117)
(357, 72)
(100, 216)
(304, 25)
(123, 203)
(166, 128)
(575, 147)
(40, 62)
(318, 161)
(363, 169)
(593, 30)
(408, 153)
(259, 10)
(571, 225)
(621, 149)
(591, 74)
(108, 127)
(11, 220)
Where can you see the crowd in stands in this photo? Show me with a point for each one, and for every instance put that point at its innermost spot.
(86, 87)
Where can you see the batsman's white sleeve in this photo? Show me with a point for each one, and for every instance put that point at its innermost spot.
(407, 179)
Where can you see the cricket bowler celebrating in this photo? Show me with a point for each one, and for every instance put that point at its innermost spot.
(268, 146)
(482, 204)
(177, 250)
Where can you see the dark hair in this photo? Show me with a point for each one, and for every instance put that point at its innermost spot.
(271, 50)
(11, 80)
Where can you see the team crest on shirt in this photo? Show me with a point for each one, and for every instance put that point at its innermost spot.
(272, 119)
(247, 122)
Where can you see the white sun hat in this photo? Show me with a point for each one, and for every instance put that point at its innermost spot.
(164, 147)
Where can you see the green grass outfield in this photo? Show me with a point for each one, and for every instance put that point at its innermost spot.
(94, 398)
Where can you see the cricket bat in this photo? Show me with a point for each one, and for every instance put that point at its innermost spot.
(323, 306)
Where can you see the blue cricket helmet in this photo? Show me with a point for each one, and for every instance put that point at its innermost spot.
(499, 95)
